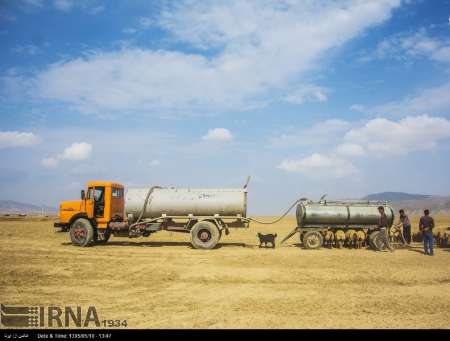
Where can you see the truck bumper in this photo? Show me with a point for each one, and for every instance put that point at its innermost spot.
(61, 227)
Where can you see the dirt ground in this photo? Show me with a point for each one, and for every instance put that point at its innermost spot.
(161, 282)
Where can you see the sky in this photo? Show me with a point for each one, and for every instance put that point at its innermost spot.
(340, 97)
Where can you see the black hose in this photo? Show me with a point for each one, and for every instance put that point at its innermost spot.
(150, 191)
(278, 219)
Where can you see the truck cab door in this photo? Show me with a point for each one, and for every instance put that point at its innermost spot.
(89, 202)
(99, 201)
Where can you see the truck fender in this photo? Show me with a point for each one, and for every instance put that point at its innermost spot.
(80, 215)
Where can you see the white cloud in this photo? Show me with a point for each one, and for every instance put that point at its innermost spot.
(218, 134)
(406, 46)
(319, 166)
(49, 162)
(378, 138)
(261, 23)
(255, 47)
(431, 100)
(155, 163)
(320, 133)
(9, 139)
(88, 6)
(442, 54)
(63, 5)
(77, 151)
(413, 133)
(307, 93)
(358, 107)
(350, 150)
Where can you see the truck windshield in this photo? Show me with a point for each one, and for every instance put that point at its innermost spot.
(98, 194)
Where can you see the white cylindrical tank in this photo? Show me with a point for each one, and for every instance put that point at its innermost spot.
(185, 201)
(341, 213)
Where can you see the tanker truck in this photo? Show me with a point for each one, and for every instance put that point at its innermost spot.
(105, 210)
(339, 220)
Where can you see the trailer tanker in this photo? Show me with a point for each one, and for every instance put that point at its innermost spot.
(342, 214)
(316, 219)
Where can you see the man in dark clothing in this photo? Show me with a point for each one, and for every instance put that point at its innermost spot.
(383, 225)
(404, 220)
(426, 225)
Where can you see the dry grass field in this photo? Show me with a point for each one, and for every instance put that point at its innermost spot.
(161, 282)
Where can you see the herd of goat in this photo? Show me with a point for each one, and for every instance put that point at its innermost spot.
(440, 239)
(350, 238)
(357, 239)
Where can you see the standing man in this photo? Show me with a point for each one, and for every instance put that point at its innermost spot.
(383, 225)
(404, 220)
(426, 225)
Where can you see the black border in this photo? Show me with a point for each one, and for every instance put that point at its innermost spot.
(115, 334)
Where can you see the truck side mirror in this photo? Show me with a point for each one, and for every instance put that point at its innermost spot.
(83, 194)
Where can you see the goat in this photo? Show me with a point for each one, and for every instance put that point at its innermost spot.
(444, 240)
(436, 239)
(349, 238)
(339, 238)
(417, 237)
(329, 239)
(361, 239)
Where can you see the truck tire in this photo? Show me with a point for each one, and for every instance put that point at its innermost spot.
(204, 235)
(312, 240)
(81, 232)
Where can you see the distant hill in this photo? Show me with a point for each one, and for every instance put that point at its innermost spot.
(395, 196)
(413, 203)
(9, 206)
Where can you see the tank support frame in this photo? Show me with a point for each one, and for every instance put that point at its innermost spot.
(175, 223)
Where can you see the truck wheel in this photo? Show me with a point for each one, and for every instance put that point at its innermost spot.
(81, 232)
(204, 235)
(312, 240)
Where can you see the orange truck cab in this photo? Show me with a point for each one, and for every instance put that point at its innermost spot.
(101, 203)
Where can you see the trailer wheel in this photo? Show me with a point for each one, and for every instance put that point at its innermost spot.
(372, 236)
(372, 240)
(312, 240)
(81, 232)
(204, 235)
(378, 242)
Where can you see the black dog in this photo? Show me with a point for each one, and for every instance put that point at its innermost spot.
(267, 238)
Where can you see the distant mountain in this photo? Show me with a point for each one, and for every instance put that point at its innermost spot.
(413, 203)
(395, 196)
(9, 206)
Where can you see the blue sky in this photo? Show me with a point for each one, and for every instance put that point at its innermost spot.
(309, 97)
